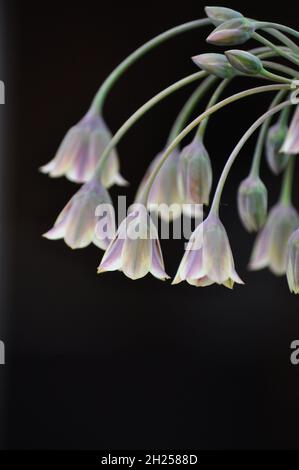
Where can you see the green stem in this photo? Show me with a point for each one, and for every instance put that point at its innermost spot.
(286, 189)
(140, 112)
(281, 68)
(274, 77)
(213, 100)
(101, 95)
(256, 162)
(216, 201)
(280, 27)
(197, 121)
(284, 39)
(284, 116)
(189, 106)
(272, 46)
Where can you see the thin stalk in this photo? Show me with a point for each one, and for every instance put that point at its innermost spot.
(281, 68)
(216, 201)
(272, 46)
(286, 189)
(197, 121)
(280, 27)
(213, 100)
(189, 107)
(256, 162)
(99, 99)
(274, 77)
(284, 39)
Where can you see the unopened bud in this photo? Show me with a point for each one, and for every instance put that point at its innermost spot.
(219, 15)
(216, 64)
(232, 32)
(276, 159)
(252, 203)
(244, 62)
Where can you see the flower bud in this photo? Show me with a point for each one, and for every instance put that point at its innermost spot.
(291, 143)
(232, 32)
(219, 15)
(252, 203)
(276, 159)
(293, 262)
(244, 62)
(195, 173)
(216, 64)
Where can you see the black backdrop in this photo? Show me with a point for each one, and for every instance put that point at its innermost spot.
(101, 361)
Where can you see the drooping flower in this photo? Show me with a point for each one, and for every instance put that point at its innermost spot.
(270, 248)
(77, 222)
(291, 143)
(195, 173)
(277, 160)
(232, 32)
(135, 249)
(81, 150)
(164, 197)
(252, 203)
(208, 258)
(293, 262)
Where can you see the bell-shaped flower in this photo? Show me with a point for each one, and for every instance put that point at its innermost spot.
(252, 203)
(77, 223)
(291, 143)
(81, 150)
(277, 160)
(164, 197)
(232, 32)
(135, 249)
(293, 262)
(208, 258)
(195, 173)
(270, 248)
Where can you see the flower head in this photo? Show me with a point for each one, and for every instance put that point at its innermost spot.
(77, 222)
(291, 143)
(135, 249)
(164, 197)
(252, 203)
(208, 258)
(232, 32)
(81, 150)
(293, 262)
(270, 248)
(277, 160)
(195, 173)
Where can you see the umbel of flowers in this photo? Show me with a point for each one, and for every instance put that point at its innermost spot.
(182, 177)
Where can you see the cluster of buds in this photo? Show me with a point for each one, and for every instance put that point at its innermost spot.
(179, 180)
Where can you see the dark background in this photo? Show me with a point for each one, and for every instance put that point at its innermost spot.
(103, 362)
